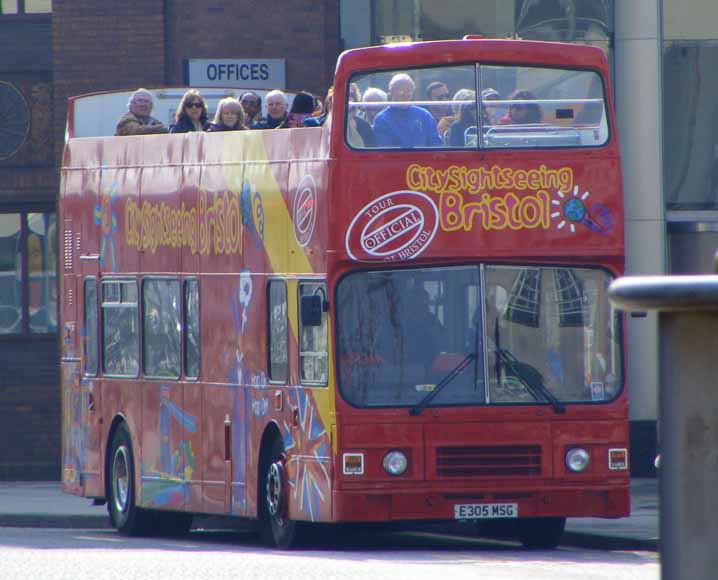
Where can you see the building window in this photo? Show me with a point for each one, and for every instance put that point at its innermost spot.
(161, 328)
(313, 341)
(25, 7)
(120, 336)
(28, 273)
(374, 22)
(690, 113)
(278, 328)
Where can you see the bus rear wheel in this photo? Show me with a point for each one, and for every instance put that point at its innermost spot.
(275, 527)
(125, 516)
(541, 533)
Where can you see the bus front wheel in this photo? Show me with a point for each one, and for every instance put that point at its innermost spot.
(124, 514)
(541, 533)
(275, 527)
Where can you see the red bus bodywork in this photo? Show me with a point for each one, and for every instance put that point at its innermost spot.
(235, 210)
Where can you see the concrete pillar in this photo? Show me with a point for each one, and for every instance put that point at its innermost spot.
(687, 309)
(638, 90)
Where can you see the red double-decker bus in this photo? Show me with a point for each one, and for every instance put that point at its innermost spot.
(400, 315)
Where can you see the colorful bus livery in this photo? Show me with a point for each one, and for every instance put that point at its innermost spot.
(308, 325)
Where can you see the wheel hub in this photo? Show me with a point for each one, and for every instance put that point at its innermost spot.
(275, 495)
(121, 479)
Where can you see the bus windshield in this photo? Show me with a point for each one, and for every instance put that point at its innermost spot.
(534, 335)
(450, 106)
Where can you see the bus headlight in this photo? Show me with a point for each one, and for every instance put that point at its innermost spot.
(577, 459)
(395, 463)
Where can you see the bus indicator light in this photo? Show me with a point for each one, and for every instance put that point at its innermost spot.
(353, 463)
(617, 459)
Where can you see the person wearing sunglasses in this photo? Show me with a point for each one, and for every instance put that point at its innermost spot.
(523, 113)
(439, 92)
(191, 114)
(137, 120)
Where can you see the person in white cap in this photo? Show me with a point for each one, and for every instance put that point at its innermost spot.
(137, 120)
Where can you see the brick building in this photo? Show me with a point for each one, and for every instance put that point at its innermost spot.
(661, 54)
(53, 50)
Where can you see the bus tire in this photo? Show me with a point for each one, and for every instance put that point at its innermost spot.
(275, 527)
(541, 533)
(125, 516)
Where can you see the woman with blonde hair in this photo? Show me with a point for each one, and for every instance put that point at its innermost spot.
(191, 114)
(229, 116)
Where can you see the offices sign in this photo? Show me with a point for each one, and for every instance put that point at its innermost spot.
(266, 73)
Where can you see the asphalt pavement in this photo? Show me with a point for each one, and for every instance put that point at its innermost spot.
(44, 505)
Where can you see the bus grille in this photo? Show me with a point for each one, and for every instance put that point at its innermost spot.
(485, 461)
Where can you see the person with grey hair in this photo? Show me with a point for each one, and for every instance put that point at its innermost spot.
(465, 118)
(402, 124)
(373, 95)
(137, 120)
(277, 106)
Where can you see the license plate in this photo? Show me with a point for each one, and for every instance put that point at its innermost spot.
(478, 511)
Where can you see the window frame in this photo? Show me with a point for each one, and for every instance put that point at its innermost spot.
(103, 342)
(143, 335)
(185, 283)
(22, 14)
(86, 340)
(24, 333)
(321, 283)
(479, 148)
(283, 283)
(614, 318)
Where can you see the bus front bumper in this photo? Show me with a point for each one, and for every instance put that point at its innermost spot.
(426, 504)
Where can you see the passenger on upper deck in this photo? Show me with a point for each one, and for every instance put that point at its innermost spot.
(319, 120)
(466, 118)
(137, 120)
(301, 109)
(522, 113)
(489, 115)
(229, 116)
(373, 95)
(405, 125)
(276, 111)
(252, 105)
(358, 126)
(438, 91)
(191, 114)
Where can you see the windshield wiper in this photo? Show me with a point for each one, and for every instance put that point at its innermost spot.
(531, 378)
(453, 373)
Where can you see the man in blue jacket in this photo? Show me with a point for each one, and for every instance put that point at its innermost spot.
(404, 125)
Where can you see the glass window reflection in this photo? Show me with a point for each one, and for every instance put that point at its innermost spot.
(42, 272)
(690, 114)
(10, 273)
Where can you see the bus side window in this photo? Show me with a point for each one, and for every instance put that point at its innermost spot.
(191, 332)
(161, 326)
(89, 326)
(278, 347)
(120, 336)
(313, 340)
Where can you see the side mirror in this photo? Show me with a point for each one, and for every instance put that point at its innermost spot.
(310, 308)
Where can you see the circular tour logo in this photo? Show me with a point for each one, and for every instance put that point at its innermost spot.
(396, 226)
(304, 210)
